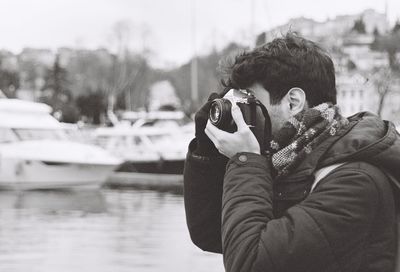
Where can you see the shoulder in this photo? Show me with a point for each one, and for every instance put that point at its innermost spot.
(359, 177)
(362, 169)
(353, 191)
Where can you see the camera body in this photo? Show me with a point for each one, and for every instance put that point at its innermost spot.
(220, 110)
(220, 114)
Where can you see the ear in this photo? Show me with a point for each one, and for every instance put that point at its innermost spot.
(297, 100)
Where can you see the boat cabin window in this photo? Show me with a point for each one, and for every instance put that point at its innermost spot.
(160, 138)
(162, 123)
(7, 136)
(40, 134)
(120, 142)
(136, 140)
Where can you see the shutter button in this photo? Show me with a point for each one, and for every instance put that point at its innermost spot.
(243, 158)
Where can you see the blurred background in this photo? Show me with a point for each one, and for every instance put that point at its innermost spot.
(96, 107)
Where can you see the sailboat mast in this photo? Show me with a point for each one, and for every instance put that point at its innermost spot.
(193, 67)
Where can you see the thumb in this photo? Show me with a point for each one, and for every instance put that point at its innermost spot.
(238, 117)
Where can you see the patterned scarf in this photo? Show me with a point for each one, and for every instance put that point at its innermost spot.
(302, 133)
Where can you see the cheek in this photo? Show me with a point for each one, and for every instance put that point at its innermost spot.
(277, 118)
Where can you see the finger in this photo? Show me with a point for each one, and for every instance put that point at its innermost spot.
(211, 136)
(238, 117)
(216, 132)
(211, 129)
(213, 133)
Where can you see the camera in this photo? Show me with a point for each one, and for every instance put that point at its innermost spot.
(220, 109)
(254, 114)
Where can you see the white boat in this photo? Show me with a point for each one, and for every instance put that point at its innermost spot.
(36, 152)
(153, 148)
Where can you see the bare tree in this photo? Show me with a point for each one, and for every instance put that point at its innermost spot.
(389, 43)
(128, 74)
(384, 81)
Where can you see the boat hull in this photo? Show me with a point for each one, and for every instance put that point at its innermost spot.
(31, 175)
(171, 167)
(148, 174)
(145, 180)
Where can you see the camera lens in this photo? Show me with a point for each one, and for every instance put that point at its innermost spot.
(220, 113)
(215, 112)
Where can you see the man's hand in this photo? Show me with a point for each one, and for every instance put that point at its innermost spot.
(229, 144)
(204, 145)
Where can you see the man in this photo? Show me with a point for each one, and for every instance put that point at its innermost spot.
(258, 210)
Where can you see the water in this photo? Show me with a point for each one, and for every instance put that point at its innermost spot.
(100, 230)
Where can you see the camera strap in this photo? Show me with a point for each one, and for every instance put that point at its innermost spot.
(251, 100)
(267, 129)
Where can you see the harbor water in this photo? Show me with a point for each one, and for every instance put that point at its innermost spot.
(98, 230)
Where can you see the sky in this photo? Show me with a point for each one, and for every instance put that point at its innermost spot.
(161, 28)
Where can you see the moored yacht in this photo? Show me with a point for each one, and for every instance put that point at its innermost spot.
(37, 153)
(153, 147)
(145, 150)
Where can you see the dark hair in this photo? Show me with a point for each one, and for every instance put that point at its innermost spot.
(284, 63)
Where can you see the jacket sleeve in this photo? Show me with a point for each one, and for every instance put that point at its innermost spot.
(329, 225)
(203, 178)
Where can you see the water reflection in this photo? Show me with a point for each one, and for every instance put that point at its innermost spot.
(54, 201)
(109, 230)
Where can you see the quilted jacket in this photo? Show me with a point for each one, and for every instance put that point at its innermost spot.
(348, 223)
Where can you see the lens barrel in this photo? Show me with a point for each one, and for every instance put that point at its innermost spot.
(220, 113)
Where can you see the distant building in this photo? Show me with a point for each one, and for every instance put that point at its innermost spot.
(44, 57)
(33, 64)
(65, 55)
(355, 93)
(391, 109)
(332, 30)
(357, 47)
(8, 61)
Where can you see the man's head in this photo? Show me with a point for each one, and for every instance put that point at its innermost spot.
(287, 75)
